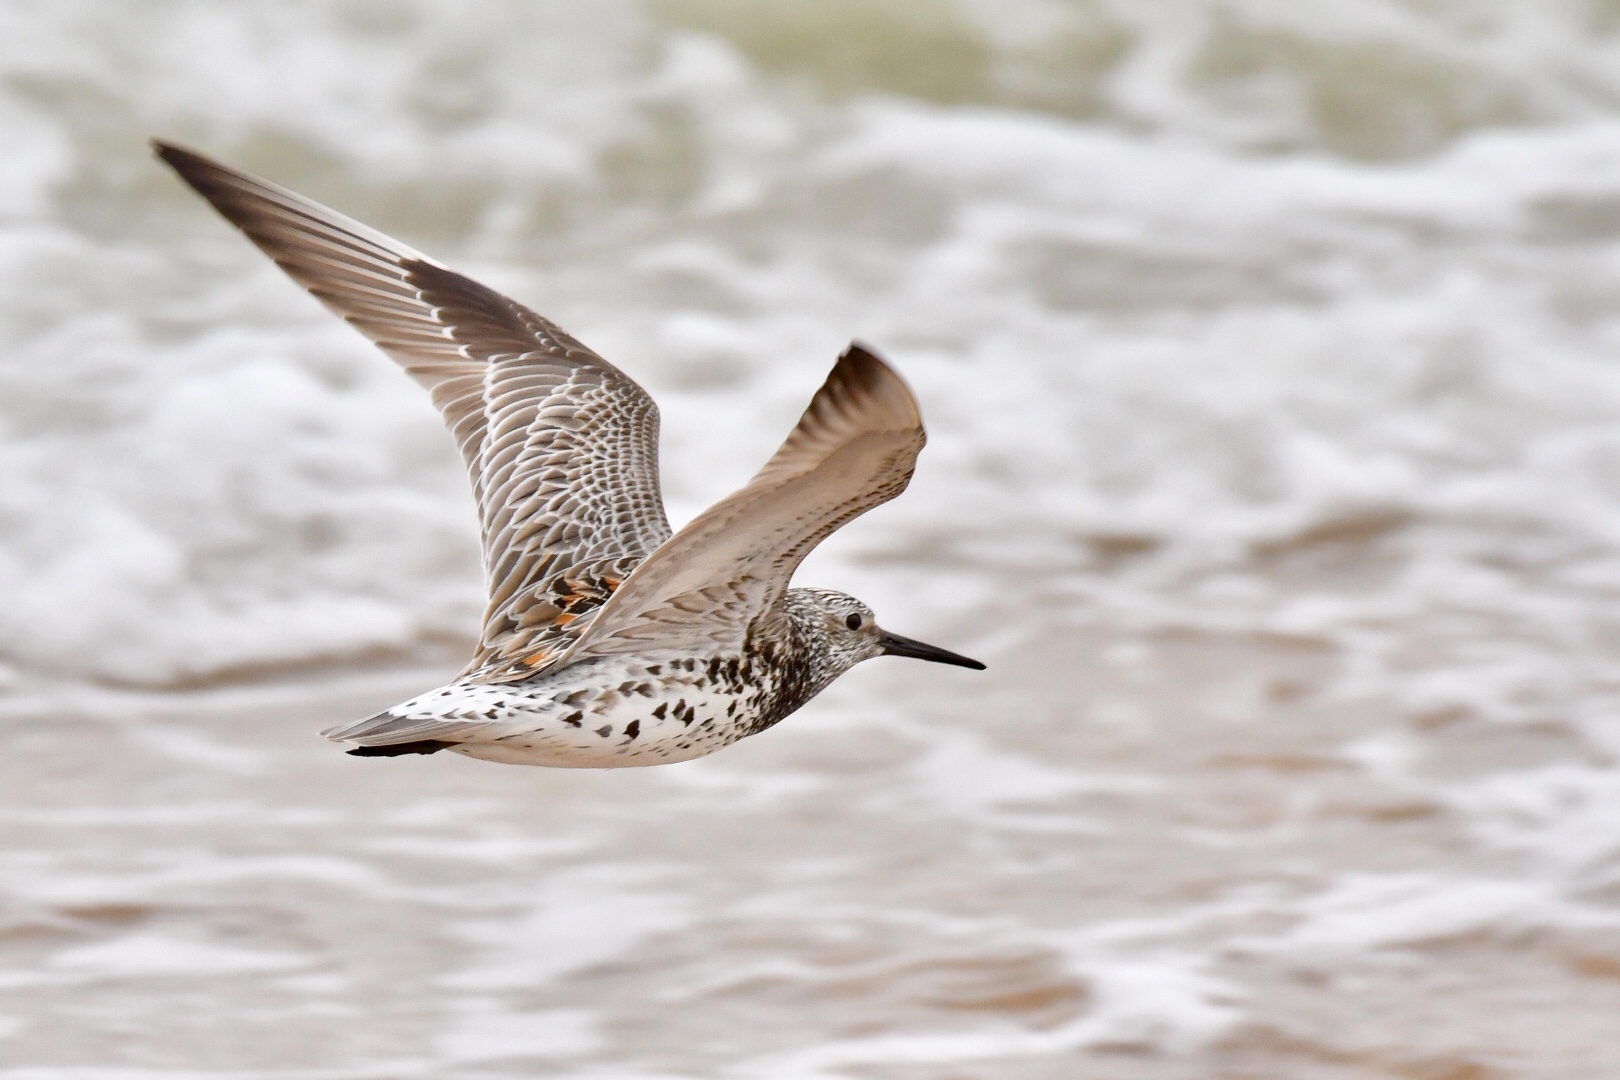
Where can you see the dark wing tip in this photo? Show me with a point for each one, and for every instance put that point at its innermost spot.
(861, 376)
(191, 165)
(860, 365)
(228, 191)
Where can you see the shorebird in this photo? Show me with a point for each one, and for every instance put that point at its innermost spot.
(608, 641)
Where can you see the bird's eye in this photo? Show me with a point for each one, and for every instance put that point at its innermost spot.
(853, 622)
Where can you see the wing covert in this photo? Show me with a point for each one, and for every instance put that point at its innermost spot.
(561, 446)
(854, 448)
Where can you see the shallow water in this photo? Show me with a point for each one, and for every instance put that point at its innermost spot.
(1270, 368)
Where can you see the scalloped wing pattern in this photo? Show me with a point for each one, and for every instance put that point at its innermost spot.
(561, 446)
(709, 587)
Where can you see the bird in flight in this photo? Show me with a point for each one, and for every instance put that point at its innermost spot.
(608, 641)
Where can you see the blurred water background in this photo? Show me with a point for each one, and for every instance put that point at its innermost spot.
(1270, 354)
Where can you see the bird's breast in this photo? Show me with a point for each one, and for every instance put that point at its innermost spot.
(618, 714)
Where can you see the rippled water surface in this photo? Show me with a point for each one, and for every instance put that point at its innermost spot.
(1271, 363)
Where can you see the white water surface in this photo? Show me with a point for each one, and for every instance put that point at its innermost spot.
(1270, 355)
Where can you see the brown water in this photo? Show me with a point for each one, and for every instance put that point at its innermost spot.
(1269, 358)
(1176, 859)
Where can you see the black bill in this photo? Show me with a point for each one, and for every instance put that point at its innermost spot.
(895, 645)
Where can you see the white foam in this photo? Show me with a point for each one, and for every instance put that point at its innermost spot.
(492, 1034)
(145, 954)
(1247, 319)
(1153, 334)
(1379, 911)
(1156, 1003)
(1565, 816)
(581, 919)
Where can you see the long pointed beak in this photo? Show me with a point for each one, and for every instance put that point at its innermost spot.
(895, 645)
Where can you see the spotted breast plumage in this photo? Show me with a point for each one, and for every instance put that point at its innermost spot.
(608, 641)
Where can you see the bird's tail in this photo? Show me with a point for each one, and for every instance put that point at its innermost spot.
(425, 746)
(388, 729)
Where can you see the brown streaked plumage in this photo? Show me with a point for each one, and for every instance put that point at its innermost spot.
(599, 620)
(562, 446)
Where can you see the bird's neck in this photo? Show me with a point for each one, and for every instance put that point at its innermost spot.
(793, 646)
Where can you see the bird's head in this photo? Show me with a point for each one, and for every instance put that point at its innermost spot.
(851, 632)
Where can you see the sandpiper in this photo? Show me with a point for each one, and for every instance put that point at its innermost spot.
(608, 641)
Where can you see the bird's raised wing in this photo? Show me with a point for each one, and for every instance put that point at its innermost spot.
(854, 448)
(561, 445)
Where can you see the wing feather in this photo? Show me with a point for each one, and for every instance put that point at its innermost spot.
(711, 584)
(561, 446)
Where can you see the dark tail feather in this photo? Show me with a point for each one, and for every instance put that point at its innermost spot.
(425, 746)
